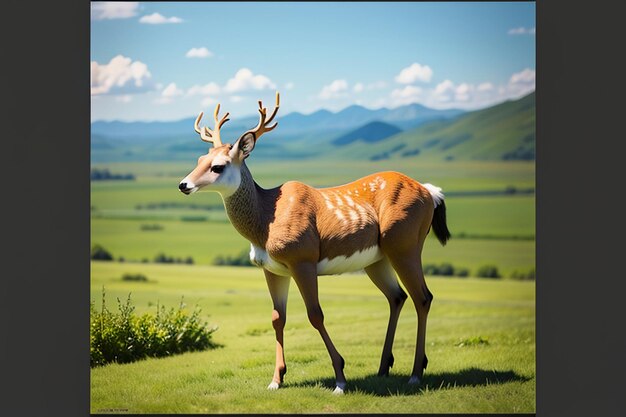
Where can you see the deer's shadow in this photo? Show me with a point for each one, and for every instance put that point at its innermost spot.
(384, 386)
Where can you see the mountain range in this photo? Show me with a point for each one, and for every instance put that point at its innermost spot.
(351, 117)
(505, 131)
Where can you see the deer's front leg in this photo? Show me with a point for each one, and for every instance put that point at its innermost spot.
(279, 289)
(305, 276)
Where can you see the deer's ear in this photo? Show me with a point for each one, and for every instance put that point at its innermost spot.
(244, 145)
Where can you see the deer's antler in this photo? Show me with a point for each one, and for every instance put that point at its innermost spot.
(208, 135)
(263, 127)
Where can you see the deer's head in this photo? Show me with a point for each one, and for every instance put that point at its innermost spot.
(220, 169)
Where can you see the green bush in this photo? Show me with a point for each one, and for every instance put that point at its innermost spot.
(134, 277)
(99, 253)
(242, 259)
(124, 337)
(488, 271)
(165, 259)
(445, 269)
(461, 272)
(529, 275)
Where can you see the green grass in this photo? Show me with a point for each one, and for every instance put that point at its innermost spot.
(498, 376)
(463, 375)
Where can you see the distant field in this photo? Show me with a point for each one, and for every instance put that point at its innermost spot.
(494, 375)
(452, 176)
(117, 221)
(205, 240)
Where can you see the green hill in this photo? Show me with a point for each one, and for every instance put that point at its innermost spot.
(503, 132)
(370, 133)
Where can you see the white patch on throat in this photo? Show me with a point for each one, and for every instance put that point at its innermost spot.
(228, 182)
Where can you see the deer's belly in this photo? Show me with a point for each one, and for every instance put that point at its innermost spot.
(336, 265)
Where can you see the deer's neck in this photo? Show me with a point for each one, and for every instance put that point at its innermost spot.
(250, 208)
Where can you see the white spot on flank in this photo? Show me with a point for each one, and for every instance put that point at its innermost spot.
(362, 211)
(327, 201)
(383, 184)
(339, 202)
(354, 216)
(349, 200)
(435, 192)
(339, 215)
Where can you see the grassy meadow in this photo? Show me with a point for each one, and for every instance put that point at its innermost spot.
(481, 332)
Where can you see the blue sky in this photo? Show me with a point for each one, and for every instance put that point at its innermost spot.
(167, 61)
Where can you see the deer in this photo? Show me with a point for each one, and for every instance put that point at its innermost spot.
(378, 224)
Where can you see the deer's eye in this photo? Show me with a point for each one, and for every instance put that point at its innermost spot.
(218, 168)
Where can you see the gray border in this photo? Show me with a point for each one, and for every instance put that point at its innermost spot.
(44, 343)
(45, 303)
(579, 107)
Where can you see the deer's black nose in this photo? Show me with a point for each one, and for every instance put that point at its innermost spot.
(182, 186)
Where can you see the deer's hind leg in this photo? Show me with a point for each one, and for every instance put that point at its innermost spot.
(402, 243)
(409, 269)
(382, 275)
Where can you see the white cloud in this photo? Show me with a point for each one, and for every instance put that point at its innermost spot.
(204, 90)
(413, 73)
(360, 87)
(336, 89)
(448, 94)
(407, 95)
(521, 83)
(101, 10)
(159, 19)
(244, 80)
(447, 91)
(171, 91)
(525, 76)
(289, 86)
(120, 75)
(443, 91)
(199, 53)
(521, 31)
(236, 99)
(484, 87)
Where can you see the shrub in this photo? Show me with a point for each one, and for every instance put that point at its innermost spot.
(242, 259)
(461, 272)
(529, 275)
(151, 227)
(134, 277)
(124, 337)
(101, 254)
(445, 269)
(488, 271)
(162, 258)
